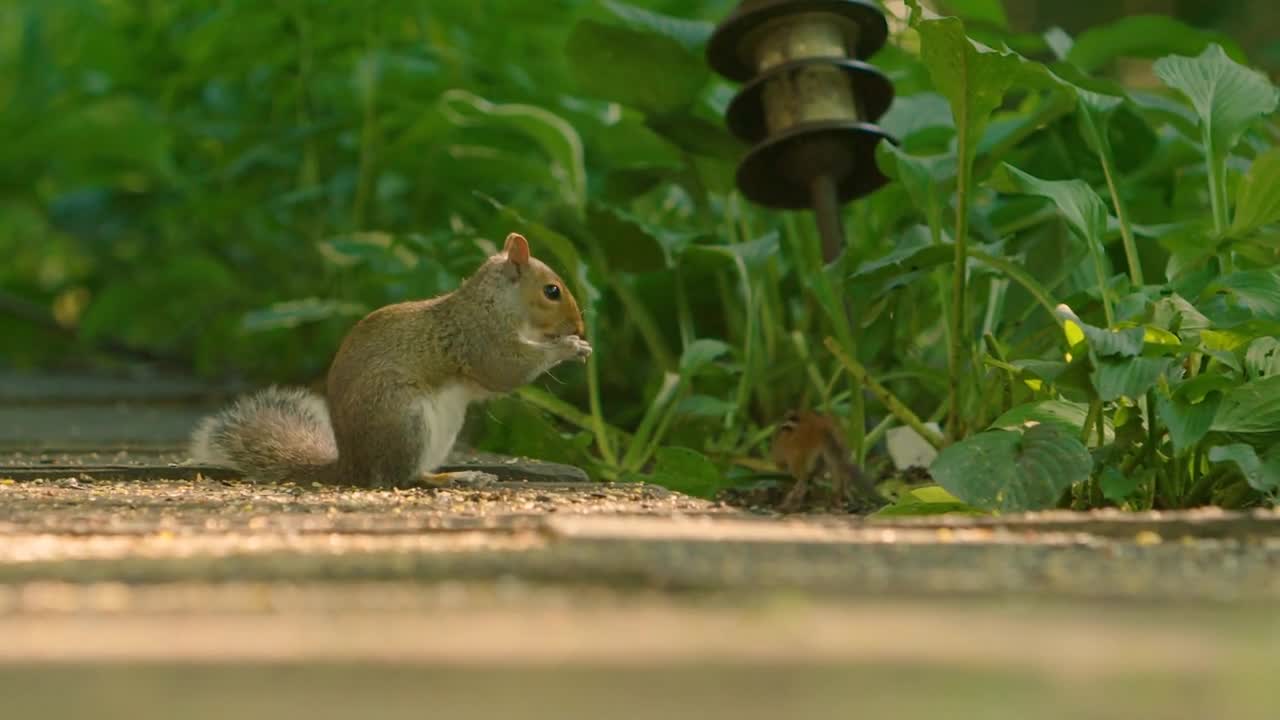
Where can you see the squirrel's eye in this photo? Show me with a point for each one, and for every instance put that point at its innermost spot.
(551, 291)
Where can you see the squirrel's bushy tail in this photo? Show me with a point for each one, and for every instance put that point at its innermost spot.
(272, 435)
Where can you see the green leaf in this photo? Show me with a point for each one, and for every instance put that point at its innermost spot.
(873, 277)
(516, 427)
(1011, 471)
(1116, 486)
(1262, 359)
(705, 406)
(1064, 414)
(927, 179)
(1115, 378)
(1084, 211)
(1188, 418)
(1262, 473)
(556, 137)
(983, 11)
(974, 78)
(924, 113)
(1180, 317)
(1148, 36)
(701, 353)
(686, 471)
(293, 313)
(1256, 290)
(645, 70)
(927, 500)
(1102, 342)
(1253, 407)
(750, 254)
(1226, 95)
(631, 247)
(692, 34)
(1258, 195)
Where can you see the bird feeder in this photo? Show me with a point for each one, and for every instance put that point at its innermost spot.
(808, 105)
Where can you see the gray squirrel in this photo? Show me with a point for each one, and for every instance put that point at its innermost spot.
(399, 386)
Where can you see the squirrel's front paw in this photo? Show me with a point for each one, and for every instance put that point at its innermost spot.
(575, 347)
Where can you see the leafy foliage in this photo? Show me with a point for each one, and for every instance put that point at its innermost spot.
(1077, 274)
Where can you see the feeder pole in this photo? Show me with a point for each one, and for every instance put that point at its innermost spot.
(808, 104)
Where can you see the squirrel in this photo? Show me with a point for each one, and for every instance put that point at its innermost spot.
(805, 445)
(400, 384)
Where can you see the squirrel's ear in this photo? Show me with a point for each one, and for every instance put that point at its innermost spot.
(517, 249)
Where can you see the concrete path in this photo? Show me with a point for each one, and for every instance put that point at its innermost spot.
(544, 595)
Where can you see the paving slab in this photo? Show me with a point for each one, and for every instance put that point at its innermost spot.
(156, 588)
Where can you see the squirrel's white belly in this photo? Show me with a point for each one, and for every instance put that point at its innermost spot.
(442, 412)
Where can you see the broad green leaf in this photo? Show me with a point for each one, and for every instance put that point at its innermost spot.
(1262, 359)
(1188, 418)
(293, 313)
(705, 406)
(750, 254)
(1253, 407)
(927, 500)
(627, 244)
(685, 470)
(1203, 385)
(1262, 473)
(1180, 317)
(1116, 486)
(520, 428)
(1066, 415)
(375, 250)
(925, 113)
(984, 11)
(1083, 210)
(1096, 97)
(1013, 471)
(645, 70)
(1102, 342)
(700, 354)
(692, 34)
(1129, 377)
(1226, 95)
(1148, 36)
(874, 277)
(553, 133)
(1256, 290)
(1258, 195)
(974, 78)
(927, 179)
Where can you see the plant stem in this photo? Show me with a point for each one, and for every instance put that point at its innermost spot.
(547, 402)
(1019, 276)
(1122, 215)
(890, 401)
(1217, 185)
(1095, 411)
(959, 331)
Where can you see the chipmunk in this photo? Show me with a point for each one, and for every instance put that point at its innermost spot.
(399, 386)
(805, 445)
